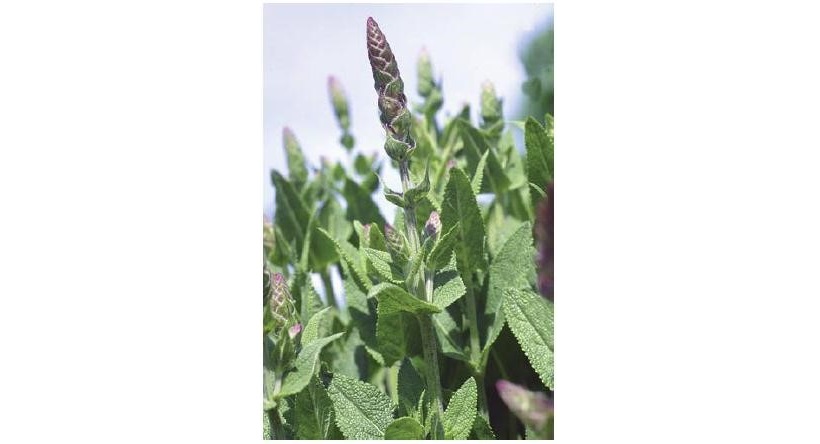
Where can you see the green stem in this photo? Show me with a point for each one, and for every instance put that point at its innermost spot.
(428, 345)
(428, 339)
(328, 284)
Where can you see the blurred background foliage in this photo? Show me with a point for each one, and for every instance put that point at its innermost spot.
(537, 56)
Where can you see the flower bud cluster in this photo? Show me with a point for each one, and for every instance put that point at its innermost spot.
(393, 111)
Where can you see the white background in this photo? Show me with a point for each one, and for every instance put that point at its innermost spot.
(687, 240)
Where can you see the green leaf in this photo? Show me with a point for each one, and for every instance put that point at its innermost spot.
(460, 207)
(390, 337)
(476, 144)
(348, 256)
(511, 268)
(447, 285)
(481, 429)
(317, 326)
(332, 217)
(404, 428)
(411, 386)
(539, 157)
(362, 410)
(393, 298)
(291, 214)
(382, 263)
(442, 251)
(414, 195)
(479, 173)
(461, 411)
(360, 204)
(449, 336)
(530, 318)
(314, 413)
(305, 297)
(306, 365)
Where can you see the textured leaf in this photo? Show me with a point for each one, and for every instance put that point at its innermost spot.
(530, 318)
(461, 411)
(362, 410)
(306, 365)
(481, 429)
(479, 173)
(460, 207)
(442, 251)
(447, 286)
(511, 268)
(390, 335)
(314, 413)
(317, 326)
(393, 299)
(404, 428)
(539, 157)
(382, 263)
(349, 257)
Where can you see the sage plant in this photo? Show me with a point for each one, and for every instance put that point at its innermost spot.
(440, 332)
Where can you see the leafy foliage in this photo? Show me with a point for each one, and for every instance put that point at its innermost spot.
(415, 345)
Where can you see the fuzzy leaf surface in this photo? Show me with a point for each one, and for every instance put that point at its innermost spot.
(316, 326)
(362, 410)
(382, 263)
(393, 298)
(461, 411)
(404, 428)
(511, 268)
(314, 413)
(460, 207)
(530, 318)
(447, 286)
(306, 364)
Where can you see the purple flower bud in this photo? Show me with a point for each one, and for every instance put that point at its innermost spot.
(295, 330)
(532, 408)
(280, 298)
(433, 225)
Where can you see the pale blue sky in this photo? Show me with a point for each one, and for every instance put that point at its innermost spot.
(305, 43)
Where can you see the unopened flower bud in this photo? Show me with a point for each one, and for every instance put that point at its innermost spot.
(339, 101)
(393, 112)
(532, 408)
(294, 330)
(280, 299)
(433, 226)
(297, 171)
(424, 67)
(491, 111)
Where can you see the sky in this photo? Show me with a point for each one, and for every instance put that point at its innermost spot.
(305, 43)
